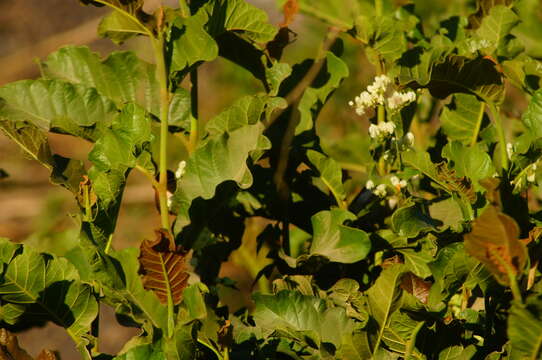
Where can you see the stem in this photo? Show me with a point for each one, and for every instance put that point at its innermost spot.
(378, 7)
(511, 278)
(500, 133)
(210, 347)
(412, 342)
(194, 109)
(478, 123)
(108, 245)
(158, 45)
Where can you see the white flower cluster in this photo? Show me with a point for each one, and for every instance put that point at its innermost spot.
(398, 183)
(409, 139)
(381, 130)
(475, 45)
(379, 190)
(374, 95)
(397, 100)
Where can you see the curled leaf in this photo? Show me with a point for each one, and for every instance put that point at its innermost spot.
(163, 267)
(494, 241)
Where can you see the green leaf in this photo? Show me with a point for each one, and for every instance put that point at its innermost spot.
(140, 304)
(120, 146)
(382, 35)
(219, 159)
(496, 27)
(241, 18)
(462, 119)
(472, 162)
(180, 109)
(532, 119)
(142, 352)
(49, 288)
(384, 297)
(301, 318)
(314, 98)
(409, 221)
(190, 42)
(330, 173)
(525, 328)
(57, 106)
(122, 77)
(29, 138)
(338, 242)
(126, 20)
(529, 30)
(448, 212)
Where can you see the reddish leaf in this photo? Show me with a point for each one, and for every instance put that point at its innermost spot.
(290, 9)
(416, 286)
(163, 267)
(494, 240)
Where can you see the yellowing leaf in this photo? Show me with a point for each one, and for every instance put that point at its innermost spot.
(494, 241)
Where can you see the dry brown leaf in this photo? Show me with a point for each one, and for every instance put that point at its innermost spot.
(416, 286)
(494, 241)
(163, 267)
(290, 9)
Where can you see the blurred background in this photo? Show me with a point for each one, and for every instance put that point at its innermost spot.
(34, 211)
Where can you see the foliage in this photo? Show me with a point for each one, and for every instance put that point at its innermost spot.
(425, 246)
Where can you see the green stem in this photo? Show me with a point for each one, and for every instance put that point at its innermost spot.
(412, 342)
(108, 245)
(194, 109)
(208, 346)
(158, 45)
(478, 123)
(378, 7)
(516, 293)
(500, 133)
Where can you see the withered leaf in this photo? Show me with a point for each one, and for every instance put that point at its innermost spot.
(416, 286)
(494, 241)
(290, 9)
(163, 267)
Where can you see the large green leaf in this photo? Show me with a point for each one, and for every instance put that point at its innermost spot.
(495, 28)
(120, 146)
(121, 77)
(472, 162)
(219, 159)
(338, 242)
(410, 220)
(49, 289)
(140, 304)
(301, 318)
(58, 106)
(239, 17)
(462, 118)
(382, 35)
(385, 297)
(330, 173)
(190, 42)
(126, 20)
(529, 31)
(525, 328)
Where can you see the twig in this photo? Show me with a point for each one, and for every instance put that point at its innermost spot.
(295, 94)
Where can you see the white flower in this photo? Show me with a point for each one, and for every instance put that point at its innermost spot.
(531, 173)
(396, 182)
(180, 170)
(374, 131)
(398, 100)
(380, 190)
(169, 201)
(369, 185)
(531, 177)
(510, 150)
(387, 127)
(409, 138)
(374, 95)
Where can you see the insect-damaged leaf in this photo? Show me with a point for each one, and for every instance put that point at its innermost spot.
(494, 241)
(163, 267)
